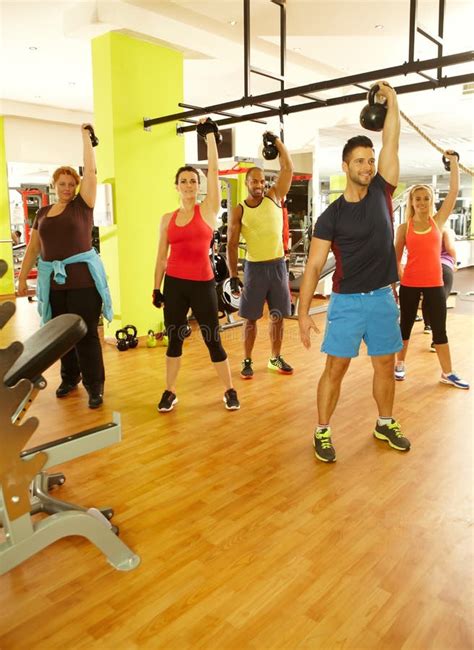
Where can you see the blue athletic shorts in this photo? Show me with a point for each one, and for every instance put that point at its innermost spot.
(371, 317)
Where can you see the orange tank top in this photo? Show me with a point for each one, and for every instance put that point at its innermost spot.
(423, 268)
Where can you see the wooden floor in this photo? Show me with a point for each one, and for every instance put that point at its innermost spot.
(246, 541)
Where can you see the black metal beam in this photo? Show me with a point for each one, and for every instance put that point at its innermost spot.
(373, 75)
(265, 73)
(246, 47)
(282, 5)
(182, 105)
(346, 99)
(430, 37)
(441, 8)
(412, 32)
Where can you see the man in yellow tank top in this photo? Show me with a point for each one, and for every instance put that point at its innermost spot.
(259, 219)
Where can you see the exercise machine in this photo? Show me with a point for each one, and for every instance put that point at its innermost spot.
(24, 482)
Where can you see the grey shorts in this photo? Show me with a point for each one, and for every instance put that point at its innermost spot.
(265, 282)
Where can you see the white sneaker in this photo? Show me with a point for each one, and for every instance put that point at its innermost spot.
(454, 380)
(400, 371)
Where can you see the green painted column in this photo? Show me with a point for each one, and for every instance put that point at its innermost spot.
(337, 185)
(7, 284)
(135, 79)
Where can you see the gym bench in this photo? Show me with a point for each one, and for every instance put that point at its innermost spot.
(24, 482)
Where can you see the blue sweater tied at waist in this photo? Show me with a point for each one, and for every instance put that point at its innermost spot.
(58, 269)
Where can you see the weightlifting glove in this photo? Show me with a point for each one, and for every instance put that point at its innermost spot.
(235, 285)
(209, 126)
(158, 298)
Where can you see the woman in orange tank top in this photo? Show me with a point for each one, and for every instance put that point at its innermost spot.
(421, 236)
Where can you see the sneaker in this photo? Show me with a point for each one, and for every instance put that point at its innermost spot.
(392, 434)
(432, 348)
(418, 318)
(231, 400)
(279, 365)
(247, 370)
(65, 387)
(323, 449)
(454, 380)
(400, 371)
(427, 329)
(167, 401)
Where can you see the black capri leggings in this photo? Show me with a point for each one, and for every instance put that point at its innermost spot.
(200, 296)
(435, 304)
(448, 277)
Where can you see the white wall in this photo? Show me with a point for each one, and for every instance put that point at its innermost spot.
(38, 141)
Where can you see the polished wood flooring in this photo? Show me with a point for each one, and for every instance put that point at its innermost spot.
(246, 541)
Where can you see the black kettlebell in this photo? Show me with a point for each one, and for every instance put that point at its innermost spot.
(92, 135)
(372, 116)
(122, 340)
(447, 162)
(270, 152)
(131, 332)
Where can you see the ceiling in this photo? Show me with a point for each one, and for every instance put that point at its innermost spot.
(46, 61)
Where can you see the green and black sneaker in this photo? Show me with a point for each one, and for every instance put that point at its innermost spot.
(323, 449)
(392, 434)
(278, 364)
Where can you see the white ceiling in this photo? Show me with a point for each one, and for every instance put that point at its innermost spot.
(46, 60)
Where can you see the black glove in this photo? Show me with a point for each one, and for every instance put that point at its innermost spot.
(158, 298)
(235, 285)
(209, 126)
(92, 135)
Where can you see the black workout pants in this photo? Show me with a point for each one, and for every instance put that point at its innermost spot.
(435, 300)
(86, 357)
(199, 296)
(448, 278)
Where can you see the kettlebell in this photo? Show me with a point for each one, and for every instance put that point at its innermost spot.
(122, 340)
(446, 161)
(131, 332)
(270, 152)
(151, 339)
(372, 116)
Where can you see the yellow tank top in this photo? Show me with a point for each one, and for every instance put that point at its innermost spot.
(262, 229)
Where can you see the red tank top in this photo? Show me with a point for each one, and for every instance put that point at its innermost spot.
(423, 268)
(189, 244)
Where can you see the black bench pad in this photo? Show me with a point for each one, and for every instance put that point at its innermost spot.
(45, 347)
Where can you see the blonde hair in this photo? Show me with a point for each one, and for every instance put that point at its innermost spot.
(409, 211)
(69, 171)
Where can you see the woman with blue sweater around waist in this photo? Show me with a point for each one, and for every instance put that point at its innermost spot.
(71, 277)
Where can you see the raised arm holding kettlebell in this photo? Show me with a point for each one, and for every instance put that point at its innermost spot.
(187, 272)
(71, 277)
(357, 226)
(421, 236)
(259, 219)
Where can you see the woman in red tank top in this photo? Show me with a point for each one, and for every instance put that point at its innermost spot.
(183, 261)
(421, 236)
